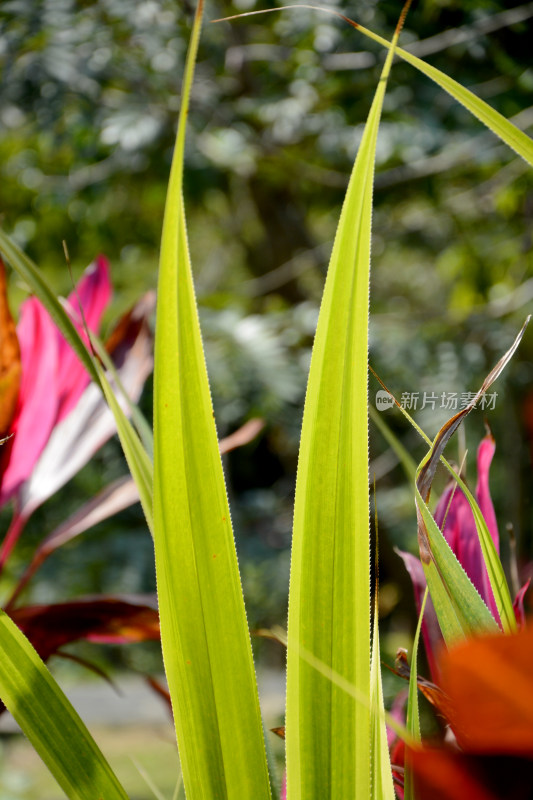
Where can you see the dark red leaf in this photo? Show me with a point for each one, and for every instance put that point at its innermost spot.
(106, 620)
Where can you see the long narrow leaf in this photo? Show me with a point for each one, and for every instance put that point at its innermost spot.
(206, 644)
(404, 457)
(516, 139)
(327, 733)
(381, 775)
(50, 722)
(137, 417)
(382, 784)
(138, 460)
(362, 698)
(413, 715)
(459, 608)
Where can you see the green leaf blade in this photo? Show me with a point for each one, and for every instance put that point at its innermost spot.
(413, 714)
(505, 130)
(382, 783)
(327, 733)
(460, 609)
(515, 138)
(325, 551)
(512, 136)
(50, 722)
(497, 579)
(138, 460)
(205, 639)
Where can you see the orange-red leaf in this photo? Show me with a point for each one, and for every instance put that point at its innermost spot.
(489, 681)
(489, 684)
(10, 369)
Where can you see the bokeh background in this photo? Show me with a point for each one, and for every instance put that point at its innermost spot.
(89, 95)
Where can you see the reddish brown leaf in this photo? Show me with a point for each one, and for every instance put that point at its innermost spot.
(160, 690)
(106, 620)
(431, 691)
(129, 327)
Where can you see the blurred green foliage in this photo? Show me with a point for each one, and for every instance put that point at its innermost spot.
(89, 94)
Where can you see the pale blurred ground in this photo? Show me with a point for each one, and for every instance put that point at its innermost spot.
(134, 731)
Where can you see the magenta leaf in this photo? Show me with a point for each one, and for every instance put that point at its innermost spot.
(61, 418)
(77, 437)
(456, 520)
(38, 397)
(431, 634)
(453, 510)
(94, 293)
(518, 605)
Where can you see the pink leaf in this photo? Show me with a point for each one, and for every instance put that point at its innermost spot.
(431, 634)
(518, 605)
(94, 293)
(77, 437)
(38, 398)
(460, 528)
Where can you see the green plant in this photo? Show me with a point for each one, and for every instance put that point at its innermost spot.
(335, 705)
